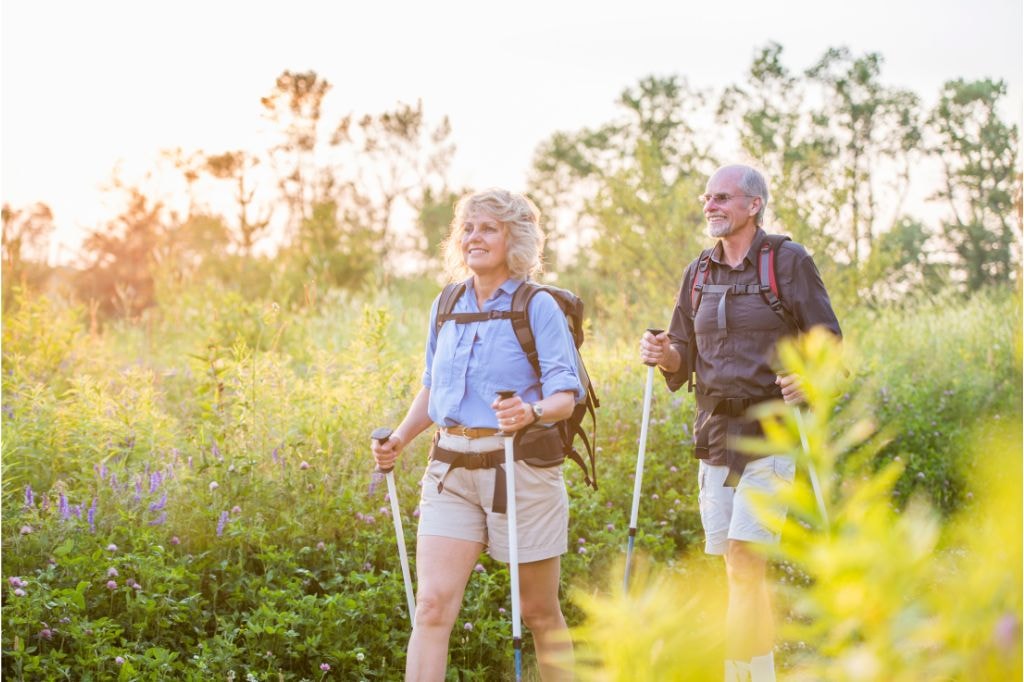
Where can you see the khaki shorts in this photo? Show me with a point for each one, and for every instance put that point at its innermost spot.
(728, 513)
(462, 510)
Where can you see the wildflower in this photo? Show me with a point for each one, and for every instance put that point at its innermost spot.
(26, 529)
(304, 465)
(214, 485)
(321, 546)
(19, 592)
(501, 610)
(112, 572)
(15, 581)
(582, 541)
(159, 520)
(360, 657)
(92, 516)
(159, 504)
(46, 633)
(30, 498)
(369, 519)
(367, 566)
(113, 481)
(135, 586)
(609, 504)
(220, 523)
(216, 451)
(62, 505)
(479, 568)
(581, 550)
(138, 488)
(236, 509)
(416, 512)
(610, 526)
(375, 480)
(673, 468)
(175, 540)
(46, 502)
(655, 496)
(273, 456)
(111, 547)
(119, 660)
(325, 666)
(111, 585)
(156, 479)
(468, 627)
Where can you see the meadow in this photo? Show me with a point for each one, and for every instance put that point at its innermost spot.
(189, 495)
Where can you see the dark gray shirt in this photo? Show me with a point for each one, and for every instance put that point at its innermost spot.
(738, 361)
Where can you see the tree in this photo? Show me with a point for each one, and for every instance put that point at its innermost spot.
(982, 183)
(26, 245)
(236, 167)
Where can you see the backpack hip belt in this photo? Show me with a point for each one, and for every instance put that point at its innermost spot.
(537, 446)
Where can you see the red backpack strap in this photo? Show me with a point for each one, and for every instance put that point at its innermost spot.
(700, 277)
(766, 277)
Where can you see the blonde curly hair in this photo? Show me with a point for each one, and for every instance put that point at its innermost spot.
(521, 220)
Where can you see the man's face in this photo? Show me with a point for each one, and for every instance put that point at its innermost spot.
(730, 215)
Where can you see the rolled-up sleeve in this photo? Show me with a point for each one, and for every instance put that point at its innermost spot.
(556, 351)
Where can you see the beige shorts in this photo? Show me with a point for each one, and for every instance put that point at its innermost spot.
(728, 513)
(462, 510)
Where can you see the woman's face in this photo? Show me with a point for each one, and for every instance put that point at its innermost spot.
(484, 245)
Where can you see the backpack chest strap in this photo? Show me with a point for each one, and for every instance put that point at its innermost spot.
(725, 290)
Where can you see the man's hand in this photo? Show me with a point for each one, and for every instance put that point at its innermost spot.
(792, 388)
(656, 350)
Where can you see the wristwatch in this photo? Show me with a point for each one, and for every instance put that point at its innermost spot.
(538, 412)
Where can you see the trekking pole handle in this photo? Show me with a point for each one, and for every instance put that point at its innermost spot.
(505, 395)
(655, 331)
(381, 435)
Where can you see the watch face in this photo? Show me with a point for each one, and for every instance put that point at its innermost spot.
(538, 410)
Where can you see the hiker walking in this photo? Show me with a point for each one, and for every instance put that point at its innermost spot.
(495, 244)
(737, 300)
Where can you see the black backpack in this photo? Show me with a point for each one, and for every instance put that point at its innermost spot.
(766, 287)
(572, 307)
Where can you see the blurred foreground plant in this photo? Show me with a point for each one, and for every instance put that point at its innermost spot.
(885, 594)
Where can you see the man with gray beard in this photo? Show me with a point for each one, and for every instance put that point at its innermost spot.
(721, 341)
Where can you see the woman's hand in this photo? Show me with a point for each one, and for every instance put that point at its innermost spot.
(513, 414)
(386, 454)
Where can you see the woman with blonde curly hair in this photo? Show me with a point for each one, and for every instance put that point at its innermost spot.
(495, 244)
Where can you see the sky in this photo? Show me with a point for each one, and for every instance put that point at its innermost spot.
(88, 87)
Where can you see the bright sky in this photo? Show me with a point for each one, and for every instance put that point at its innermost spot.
(90, 85)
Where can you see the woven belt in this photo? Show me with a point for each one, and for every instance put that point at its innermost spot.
(469, 431)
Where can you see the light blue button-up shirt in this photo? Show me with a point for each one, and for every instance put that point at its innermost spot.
(467, 364)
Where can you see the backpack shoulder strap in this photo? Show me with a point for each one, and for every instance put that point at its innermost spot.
(521, 321)
(767, 281)
(700, 277)
(449, 295)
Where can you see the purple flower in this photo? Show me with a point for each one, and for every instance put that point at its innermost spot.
(582, 550)
(26, 529)
(46, 633)
(175, 540)
(479, 568)
(113, 481)
(159, 504)
(138, 487)
(610, 526)
(111, 547)
(119, 660)
(273, 456)
(62, 505)
(416, 512)
(46, 502)
(582, 541)
(16, 581)
(220, 524)
(159, 520)
(304, 465)
(216, 451)
(214, 485)
(103, 471)
(468, 627)
(673, 468)
(156, 479)
(111, 585)
(111, 572)
(30, 498)
(375, 480)
(325, 666)
(19, 592)
(369, 519)
(236, 509)
(92, 516)
(321, 546)
(501, 610)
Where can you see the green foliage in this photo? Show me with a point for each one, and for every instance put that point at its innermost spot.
(220, 443)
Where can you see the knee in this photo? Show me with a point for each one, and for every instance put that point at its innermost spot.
(745, 566)
(435, 610)
(541, 616)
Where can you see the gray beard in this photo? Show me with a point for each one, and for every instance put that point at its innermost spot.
(719, 230)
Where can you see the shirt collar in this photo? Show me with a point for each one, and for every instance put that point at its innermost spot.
(509, 286)
(755, 247)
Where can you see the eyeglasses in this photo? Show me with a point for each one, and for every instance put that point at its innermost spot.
(721, 197)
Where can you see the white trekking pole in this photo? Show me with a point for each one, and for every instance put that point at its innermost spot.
(382, 435)
(513, 544)
(639, 477)
(811, 470)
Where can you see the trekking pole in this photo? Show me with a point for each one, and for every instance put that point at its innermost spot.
(639, 477)
(513, 543)
(811, 470)
(382, 435)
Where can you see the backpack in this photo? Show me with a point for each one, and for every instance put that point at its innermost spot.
(572, 307)
(767, 287)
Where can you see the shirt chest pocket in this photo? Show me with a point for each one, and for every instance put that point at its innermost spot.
(721, 312)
